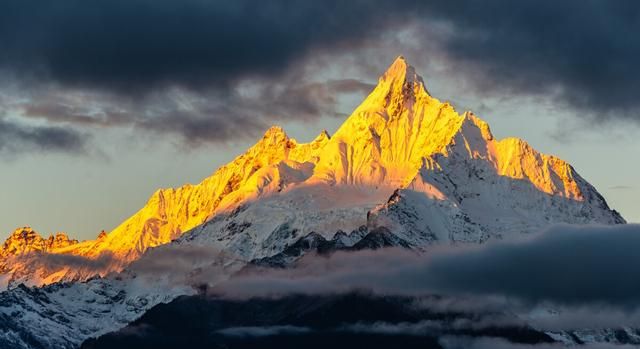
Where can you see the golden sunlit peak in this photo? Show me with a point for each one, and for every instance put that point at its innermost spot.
(399, 83)
(402, 72)
(25, 239)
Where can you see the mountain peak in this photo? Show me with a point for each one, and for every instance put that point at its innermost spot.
(275, 135)
(397, 89)
(25, 239)
(402, 77)
(399, 67)
(23, 233)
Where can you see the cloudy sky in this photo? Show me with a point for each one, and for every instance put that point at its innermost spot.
(103, 103)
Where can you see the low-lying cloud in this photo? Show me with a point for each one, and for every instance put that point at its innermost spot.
(568, 265)
(257, 331)
(50, 263)
(191, 266)
(453, 342)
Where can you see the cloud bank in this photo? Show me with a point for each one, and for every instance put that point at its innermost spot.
(499, 343)
(566, 265)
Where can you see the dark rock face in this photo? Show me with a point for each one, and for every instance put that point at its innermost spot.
(380, 237)
(338, 321)
(360, 239)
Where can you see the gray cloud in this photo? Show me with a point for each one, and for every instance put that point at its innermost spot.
(52, 262)
(196, 118)
(57, 260)
(175, 259)
(192, 266)
(18, 138)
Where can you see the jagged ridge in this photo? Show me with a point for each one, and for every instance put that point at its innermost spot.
(464, 184)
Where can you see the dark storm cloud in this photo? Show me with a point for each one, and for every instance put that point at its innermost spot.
(130, 54)
(142, 44)
(585, 52)
(17, 138)
(585, 48)
(569, 265)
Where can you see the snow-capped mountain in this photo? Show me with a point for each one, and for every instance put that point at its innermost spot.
(403, 160)
(403, 170)
(25, 239)
(406, 161)
(18, 257)
(64, 314)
